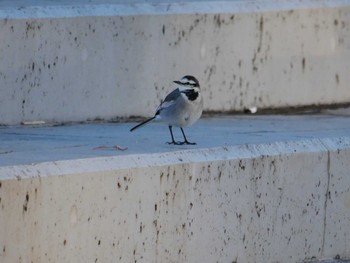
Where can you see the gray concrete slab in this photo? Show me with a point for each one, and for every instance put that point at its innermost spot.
(106, 54)
(26, 145)
(328, 261)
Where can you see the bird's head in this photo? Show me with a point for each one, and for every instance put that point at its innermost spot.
(188, 83)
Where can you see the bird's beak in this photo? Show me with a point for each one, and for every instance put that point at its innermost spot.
(177, 82)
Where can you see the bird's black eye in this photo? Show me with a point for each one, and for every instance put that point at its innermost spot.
(190, 84)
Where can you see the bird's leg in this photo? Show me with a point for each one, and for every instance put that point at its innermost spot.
(172, 137)
(186, 142)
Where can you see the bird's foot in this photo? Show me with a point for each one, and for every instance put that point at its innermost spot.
(182, 143)
(175, 143)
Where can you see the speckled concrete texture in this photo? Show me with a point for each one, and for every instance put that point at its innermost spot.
(246, 210)
(275, 200)
(84, 67)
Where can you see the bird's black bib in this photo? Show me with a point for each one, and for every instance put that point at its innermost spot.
(190, 94)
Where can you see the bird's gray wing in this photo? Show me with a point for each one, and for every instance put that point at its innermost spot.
(172, 95)
(169, 100)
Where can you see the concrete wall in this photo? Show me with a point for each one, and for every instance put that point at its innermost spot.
(281, 202)
(65, 63)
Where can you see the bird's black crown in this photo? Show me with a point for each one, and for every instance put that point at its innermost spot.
(188, 80)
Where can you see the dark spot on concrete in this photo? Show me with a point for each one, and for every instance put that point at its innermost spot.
(240, 164)
(261, 24)
(119, 185)
(303, 62)
(64, 242)
(155, 207)
(99, 242)
(336, 22)
(163, 29)
(217, 20)
(337, 78)
(25, 205)
(217, 51)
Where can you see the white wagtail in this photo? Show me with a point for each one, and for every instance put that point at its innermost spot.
(180, 108)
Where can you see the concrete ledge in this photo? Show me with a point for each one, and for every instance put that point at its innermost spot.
(281, 201)
(108, 56)
(19, 9)
(266, 206)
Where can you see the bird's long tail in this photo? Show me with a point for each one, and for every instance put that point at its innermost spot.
(142, 123)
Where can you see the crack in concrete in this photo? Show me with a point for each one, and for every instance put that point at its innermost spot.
(327, 196)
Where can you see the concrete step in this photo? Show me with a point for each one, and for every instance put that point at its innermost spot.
(329, 261)
(71, 61)
(253, 189)
(33, 144)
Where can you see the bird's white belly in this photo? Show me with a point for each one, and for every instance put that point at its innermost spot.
(183, 114)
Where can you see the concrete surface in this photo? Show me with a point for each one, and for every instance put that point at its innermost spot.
(328, 261)
(254, 189)
(93, 61)
(73, 8)
(25, 145)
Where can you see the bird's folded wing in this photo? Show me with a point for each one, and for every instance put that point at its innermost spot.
(172, 95)
(169, 100)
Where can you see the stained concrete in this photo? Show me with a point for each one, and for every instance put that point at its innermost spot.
(254, 189)
(245, 53)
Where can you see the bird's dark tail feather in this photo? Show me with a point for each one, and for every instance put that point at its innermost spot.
(142, 123)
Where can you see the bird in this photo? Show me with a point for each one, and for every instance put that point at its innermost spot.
(181, 108)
